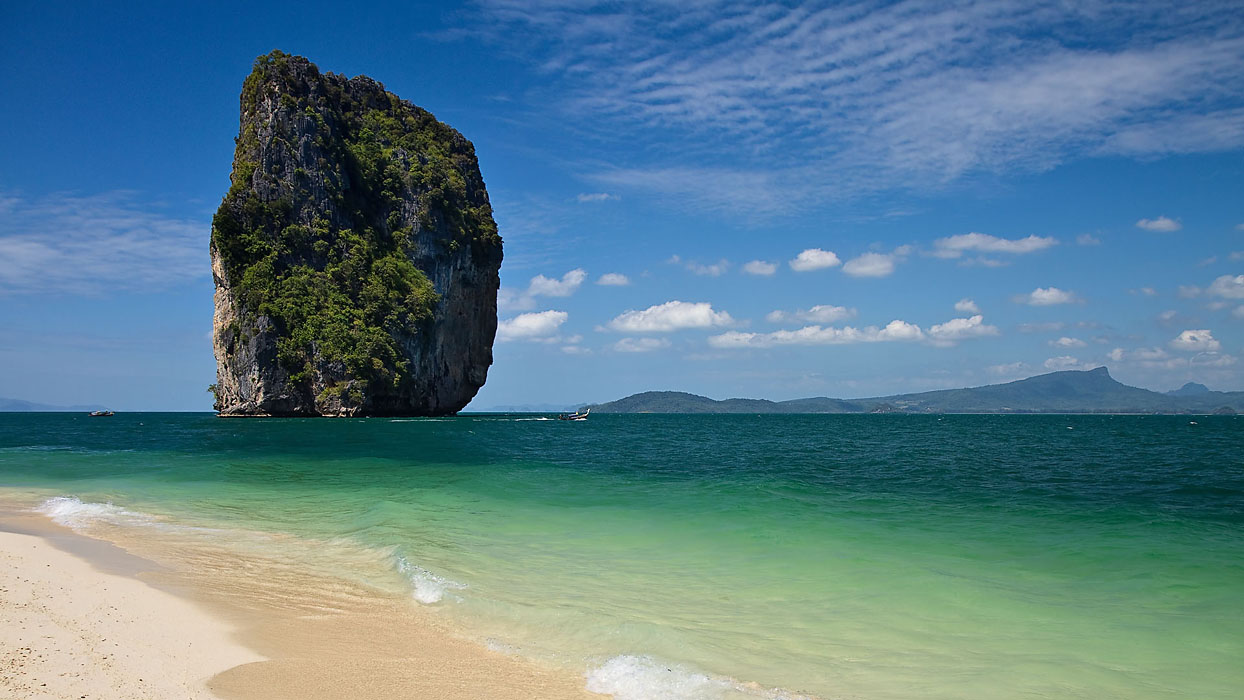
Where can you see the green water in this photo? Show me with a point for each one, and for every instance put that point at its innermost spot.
(867, 557)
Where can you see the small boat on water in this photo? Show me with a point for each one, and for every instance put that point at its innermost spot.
(575, 416)
(98, 414)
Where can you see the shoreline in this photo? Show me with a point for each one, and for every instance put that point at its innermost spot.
(205, 622)
(80, 623)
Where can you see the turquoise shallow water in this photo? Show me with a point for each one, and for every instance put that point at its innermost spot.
(730, 556)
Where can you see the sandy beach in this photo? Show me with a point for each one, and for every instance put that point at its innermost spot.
(84, 618)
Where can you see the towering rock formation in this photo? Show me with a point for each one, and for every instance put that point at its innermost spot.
(355, 255)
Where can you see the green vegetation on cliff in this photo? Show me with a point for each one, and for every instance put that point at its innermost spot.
(329, 189)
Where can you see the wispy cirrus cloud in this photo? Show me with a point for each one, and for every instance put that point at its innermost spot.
(93, 244)
(876, 94)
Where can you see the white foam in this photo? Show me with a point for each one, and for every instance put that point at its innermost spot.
(75, 514)
(428, 587)
(628, 677)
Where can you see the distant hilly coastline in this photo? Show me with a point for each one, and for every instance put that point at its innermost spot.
(20, 406)
(1090, 391)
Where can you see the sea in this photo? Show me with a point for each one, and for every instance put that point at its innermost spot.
(713, 557)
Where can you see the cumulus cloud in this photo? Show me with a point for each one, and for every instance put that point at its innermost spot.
(814, 259)
(760, 267)
(613, 279)
(1195, 340)
(541, 286)
(956, 246)
(716, 269)
(66, 244)
(870, 265)
(957, 329)
(1087, 239)
(541, 325)
(1012, 369)
(1212, 359)
(1228, 287)
(816, 335)
(640, 344)
(821, 314)
(1066, 342)
(586, 197)
(1047, 296)
(670, 316)
(1064, 362)
(967, 306)
(1161, 224)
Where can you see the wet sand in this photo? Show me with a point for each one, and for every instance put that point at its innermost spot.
(137, 618)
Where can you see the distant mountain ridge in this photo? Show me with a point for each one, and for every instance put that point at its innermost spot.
(20, 406)
(1072, 391)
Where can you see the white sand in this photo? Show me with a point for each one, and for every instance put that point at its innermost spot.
(69, 630)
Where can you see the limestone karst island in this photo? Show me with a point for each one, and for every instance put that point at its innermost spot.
(355, 255)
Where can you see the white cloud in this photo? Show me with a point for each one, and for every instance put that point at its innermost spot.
(1160, 224)
(564, 287)
(576, 350)
(814, 259)
(816, 335)
(534, 326)
(65, 244)
(716, 269)
(956, 246)
(1238, 312)
(1013, 369)
(586, 197)
(967, 306)
(1064, 362)
(1046, 327)
(870, 265)
(1195, 340)
(957, 329)
(1236, 256)
(640, 344)
(1066, 342)
(1047, 296)
(539, 286)
(1087, 239)
(888, 94)
(1228, 287)
(670, 316)
(1188, 291)
(760, 267)
(982, 261)
(1116, 355)
(613, 279)
(1212, 359)
(821, 314)
(1148, 291)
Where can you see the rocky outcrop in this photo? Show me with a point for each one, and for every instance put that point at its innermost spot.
(355, 255)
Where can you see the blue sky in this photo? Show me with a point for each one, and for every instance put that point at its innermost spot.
(726, 198)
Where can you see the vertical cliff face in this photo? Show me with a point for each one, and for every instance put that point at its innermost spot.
(355, 255)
